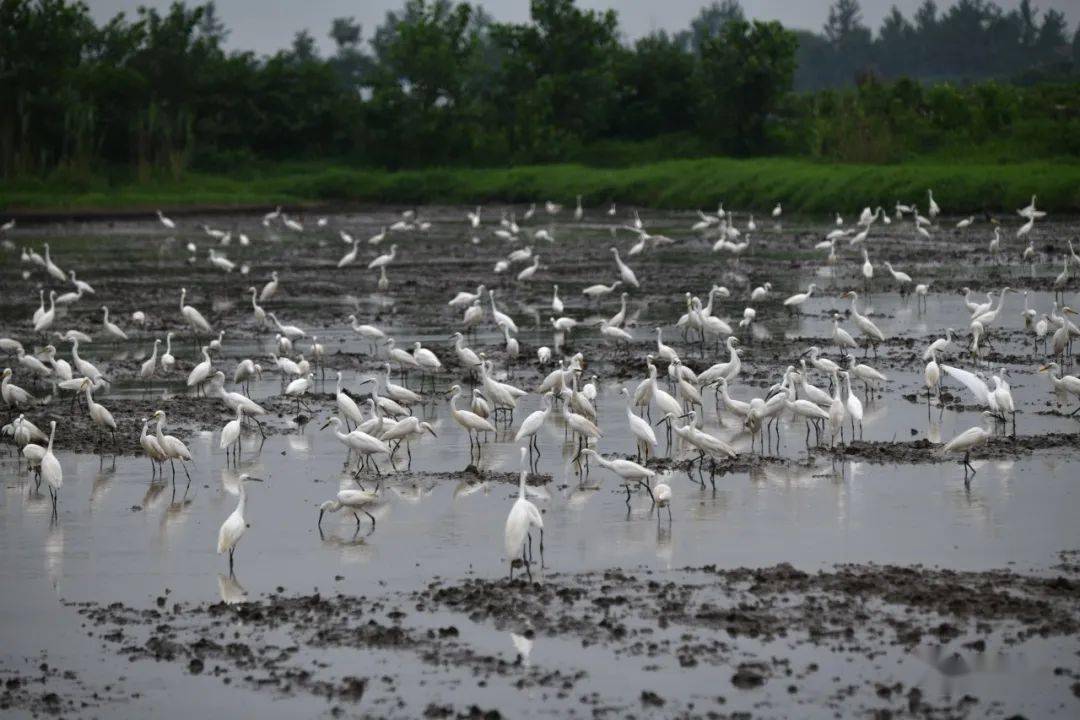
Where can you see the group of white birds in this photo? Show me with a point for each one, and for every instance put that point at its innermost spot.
(380, 424)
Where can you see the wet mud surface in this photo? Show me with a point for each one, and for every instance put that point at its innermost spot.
(712, 641)
(951, 621)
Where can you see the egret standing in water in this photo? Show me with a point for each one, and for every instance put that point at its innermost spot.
(352, 499)
(51, 471)
(965, 442)
(523, 515)
(234, 526)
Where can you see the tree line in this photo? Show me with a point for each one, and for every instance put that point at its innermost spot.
(440, 82)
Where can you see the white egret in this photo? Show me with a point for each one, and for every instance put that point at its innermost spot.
(354, 500)
(193, 317)
(146, 370)
(173, 447)
(47, 318)
(384, 259)
(13, 395)
(151, 448)
(852, 404)
(236, 524)
(794, 302)
(965, 442)
(627, 470)
(270, 288)
(167, 359)
(201, 372)
(470, 421)
(500, 317)
(523, 515)
(51, 472)
(873, 333)
(625, 272)
(644, 436)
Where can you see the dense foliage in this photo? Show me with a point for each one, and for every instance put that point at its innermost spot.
(440, 83)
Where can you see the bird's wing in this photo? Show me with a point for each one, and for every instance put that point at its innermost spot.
(971, 381)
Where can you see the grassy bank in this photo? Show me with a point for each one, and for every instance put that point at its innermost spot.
(802, 186)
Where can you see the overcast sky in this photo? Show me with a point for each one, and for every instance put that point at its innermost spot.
(268, 25)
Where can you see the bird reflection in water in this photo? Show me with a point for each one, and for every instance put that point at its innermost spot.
(523, 645)
(230, 589)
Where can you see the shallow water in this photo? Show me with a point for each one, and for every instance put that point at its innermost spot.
(119, 536)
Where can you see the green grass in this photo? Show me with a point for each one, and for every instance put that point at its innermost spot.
(803, 186)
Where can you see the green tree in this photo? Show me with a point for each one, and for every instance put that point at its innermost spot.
(657, 88)
(745, 72)
(709, 22)
(556, 85)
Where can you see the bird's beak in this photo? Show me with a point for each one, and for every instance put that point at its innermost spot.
(683, 417)
(325, 425)
(1069, 310)
(1044, 368)
(432, 431)
(254, 479)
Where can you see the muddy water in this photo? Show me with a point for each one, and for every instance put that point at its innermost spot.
(120, 537)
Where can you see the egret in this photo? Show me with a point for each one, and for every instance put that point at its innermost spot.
(795, 301)
(841, 337)
(98, 413)
(52, 267)
(852, 404)
(234, 526)
(761, 292)
(627, 470)
(230, 434)
(151, 448)
(82, 287)
(112, 329)
(193, 317)
(965, 442)
(500, 317)
(527, 273)
(939, 345)
(45, 321)
(595, 292)
(618, 318)
(169, 224)
(270, 288)
(167, 359)
(470, 421)
(365, 445)
(523, 515)
(51, 472)
(369, 332)
(292, 332)
(406, 430)
(201, 372)
(873, 334)
(350, 257)
(146, 371)
(174, 449)
(932, 376)
(639, 428)
(13, 395)
(384, 259)
(556, 302)
(354, 500)
(1066, 383)
(400, 393)
(625, 272)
